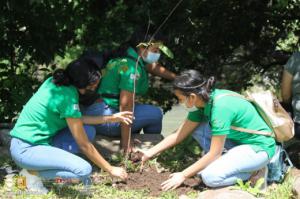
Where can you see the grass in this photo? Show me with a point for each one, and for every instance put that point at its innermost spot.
(282, 191)
(174, 160)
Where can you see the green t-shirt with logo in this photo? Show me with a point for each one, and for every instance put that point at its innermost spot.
(293, 67)
(46, 112)
(119, 75)
(230, 111)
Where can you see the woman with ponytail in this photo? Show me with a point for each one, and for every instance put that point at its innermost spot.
(36, 146)
(223, 109)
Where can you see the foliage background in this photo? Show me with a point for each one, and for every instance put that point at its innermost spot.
(239, 42)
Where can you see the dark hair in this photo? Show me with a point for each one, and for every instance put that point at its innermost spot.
(79, 73)
(141, 34)
(191, 81)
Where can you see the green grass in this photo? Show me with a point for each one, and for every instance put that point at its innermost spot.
(174, 159)
(281, 191)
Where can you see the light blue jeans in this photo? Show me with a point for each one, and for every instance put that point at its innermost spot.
(147, 118)
(50, 162)
(239, 162)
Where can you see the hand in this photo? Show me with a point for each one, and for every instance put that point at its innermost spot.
(144, 156)
(175, 180)
(119, 172)
(125, 117)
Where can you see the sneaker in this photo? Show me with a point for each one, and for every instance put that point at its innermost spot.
(33, 183)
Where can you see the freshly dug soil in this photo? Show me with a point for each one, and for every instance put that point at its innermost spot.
(150, 180)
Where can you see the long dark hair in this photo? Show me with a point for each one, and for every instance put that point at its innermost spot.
(191, 81)
(79, 73)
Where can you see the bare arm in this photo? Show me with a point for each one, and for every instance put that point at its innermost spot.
(182, 132)
(216, 148)
(125, 117)
(78, 132)
(126, 104)
(286, 86)
(159, 70)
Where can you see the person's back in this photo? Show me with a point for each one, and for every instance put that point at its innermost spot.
(45, 112)
(229, 111)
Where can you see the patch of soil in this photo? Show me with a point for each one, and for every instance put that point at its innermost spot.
(150, 179)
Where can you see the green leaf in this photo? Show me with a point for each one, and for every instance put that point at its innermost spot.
(259, 183)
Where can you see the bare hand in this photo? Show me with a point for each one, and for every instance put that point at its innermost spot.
(119, 172)
(125, 117)
(175, 180)
(144, 157)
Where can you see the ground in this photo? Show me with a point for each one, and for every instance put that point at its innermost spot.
(139, 185)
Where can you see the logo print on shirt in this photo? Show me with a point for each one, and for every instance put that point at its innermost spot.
(76, 107)
(132, 76)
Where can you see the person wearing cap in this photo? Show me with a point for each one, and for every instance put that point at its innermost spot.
(52, 108)
(117, 88)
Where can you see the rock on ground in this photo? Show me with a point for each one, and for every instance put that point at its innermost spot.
(225, 193)
(295, 173)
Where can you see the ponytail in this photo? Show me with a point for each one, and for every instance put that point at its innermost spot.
(79, 73)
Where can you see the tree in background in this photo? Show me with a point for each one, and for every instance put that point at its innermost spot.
(233, 40)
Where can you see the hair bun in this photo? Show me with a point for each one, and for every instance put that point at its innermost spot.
(210, 83)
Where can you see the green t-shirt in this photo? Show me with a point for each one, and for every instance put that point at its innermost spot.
(119, 75)
(230, 111)
(46, 112)
(293, 67)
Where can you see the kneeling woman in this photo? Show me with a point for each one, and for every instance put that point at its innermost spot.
(53, 107)
(251, 152)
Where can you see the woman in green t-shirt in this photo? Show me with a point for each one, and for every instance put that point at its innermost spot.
(251, 151)
(125, 74)
(52, 108)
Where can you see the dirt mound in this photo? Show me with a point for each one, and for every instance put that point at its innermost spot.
(150, 180)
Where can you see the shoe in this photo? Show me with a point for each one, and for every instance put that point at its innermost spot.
(33, 183)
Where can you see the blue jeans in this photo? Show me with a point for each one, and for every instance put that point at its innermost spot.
(238, 163)
(50, 162)
(147, 118)
(202, 134)
(64, 139)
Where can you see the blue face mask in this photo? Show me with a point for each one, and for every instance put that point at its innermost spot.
(151, 57)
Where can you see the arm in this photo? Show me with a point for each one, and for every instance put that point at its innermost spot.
(124, 117)
(126, 104)
(176, 179)
(182, 132)
(159, 70)
(77, 130)
(216, 148)
(286, 86)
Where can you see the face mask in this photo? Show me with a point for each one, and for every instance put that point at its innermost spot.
(188, 109)
(151, 57)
